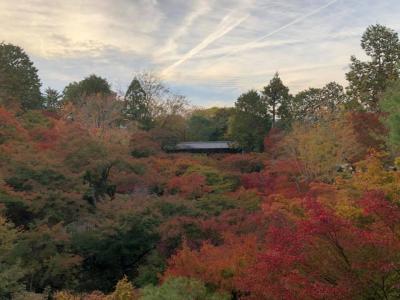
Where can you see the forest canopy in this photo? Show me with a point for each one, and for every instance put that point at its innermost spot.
(92, 207)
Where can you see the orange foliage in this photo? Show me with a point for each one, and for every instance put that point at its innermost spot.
(272, 141)
(219, 266)
(191, 185)
(370, 132)
(10, 127)
(243, 163)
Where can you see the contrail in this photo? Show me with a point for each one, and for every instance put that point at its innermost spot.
(224, 27)
(202, 7)
(253, 44)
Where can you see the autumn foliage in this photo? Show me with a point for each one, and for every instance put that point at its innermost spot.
(96, 204)
(314, 217)
(221, 266)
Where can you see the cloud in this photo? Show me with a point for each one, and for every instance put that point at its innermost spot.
(209, 50)
(228, 23)
(76, 28)
(200, 8)
(256, 42)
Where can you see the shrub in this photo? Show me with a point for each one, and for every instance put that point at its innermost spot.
(124, 290)
(181, 288)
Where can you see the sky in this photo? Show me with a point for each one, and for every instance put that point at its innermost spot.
(208, 50)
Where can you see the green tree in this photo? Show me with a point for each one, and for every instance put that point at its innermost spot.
(76, 92)
(309, 105)
(250, 122)
(99, 185)
(200, 128)
(277, 98)
(221, 119)
(209, 124)
(19, 81)
(46, 256)
(137, 106)
(171, 115)
(156, 96)
(152, 104)
(10, 271)
(390, 104)
(52, 99)
(304, 104)
(119, 249)
(333, 97)
(369, 79)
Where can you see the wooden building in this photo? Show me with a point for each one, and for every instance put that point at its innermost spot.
(205, 147)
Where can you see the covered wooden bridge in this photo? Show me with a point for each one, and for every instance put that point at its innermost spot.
(205, 147)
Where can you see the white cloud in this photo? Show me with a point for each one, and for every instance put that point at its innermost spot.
(75, 28)
(228, 23)
(200, 8)
(256, 43)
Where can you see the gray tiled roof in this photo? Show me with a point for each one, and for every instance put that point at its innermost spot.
(204, 145)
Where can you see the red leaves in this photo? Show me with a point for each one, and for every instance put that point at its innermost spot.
(322, 255)
(269, 183)
(142, 144)
(244, 163)
(274, 237)
(272, 140)
(282, 271)
(376, 206)
(10, 128)
(46, 138)
(321, 221)
(370, 131)
(220, 266)
(286, 269)
(191, 185)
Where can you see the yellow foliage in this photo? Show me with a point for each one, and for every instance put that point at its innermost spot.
(340, 200)
(372, 175)
(322, 147)
(397, 162)
(30, 296)
(63, 295)
(123, 291)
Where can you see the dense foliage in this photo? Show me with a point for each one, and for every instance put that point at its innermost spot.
(91, 207)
